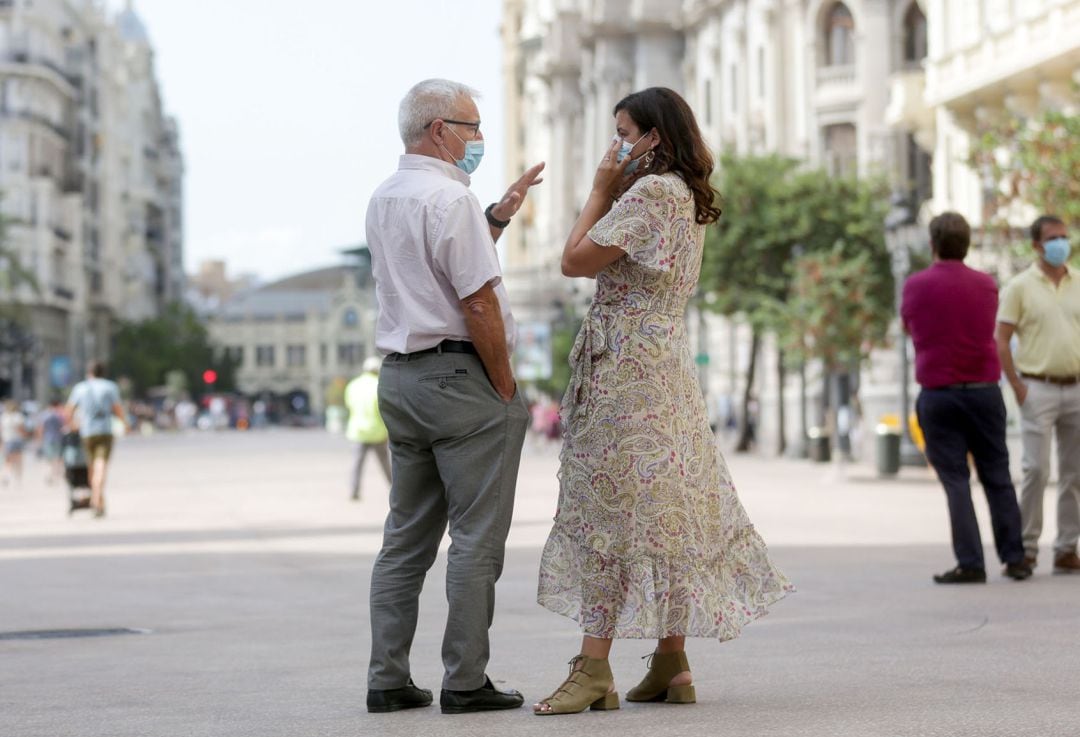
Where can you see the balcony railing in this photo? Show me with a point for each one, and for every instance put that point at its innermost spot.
(836, 75)
(39, 119)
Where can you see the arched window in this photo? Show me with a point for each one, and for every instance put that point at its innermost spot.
(839, 36)
(914, 34)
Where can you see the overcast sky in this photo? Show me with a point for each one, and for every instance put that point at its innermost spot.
(288, 113)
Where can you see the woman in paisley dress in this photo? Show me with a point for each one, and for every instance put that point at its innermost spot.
(650, 540)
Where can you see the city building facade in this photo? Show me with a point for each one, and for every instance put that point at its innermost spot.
(806, 78)
(91, 176)
(292, 338)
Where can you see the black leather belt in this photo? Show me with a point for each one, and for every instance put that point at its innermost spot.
(969, 385)
(447, 346)
(1059, 380)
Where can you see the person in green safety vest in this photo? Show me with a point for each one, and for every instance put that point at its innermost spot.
(366, 427)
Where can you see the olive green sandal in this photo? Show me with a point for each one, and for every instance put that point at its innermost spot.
(655, 686)
(587, 687)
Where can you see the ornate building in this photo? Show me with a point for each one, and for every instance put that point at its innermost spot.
(292, 338)
(90, 179)
(807, 78)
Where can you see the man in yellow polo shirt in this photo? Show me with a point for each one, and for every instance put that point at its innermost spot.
(1042, 307)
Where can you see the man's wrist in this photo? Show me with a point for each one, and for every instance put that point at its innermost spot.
(493, 221)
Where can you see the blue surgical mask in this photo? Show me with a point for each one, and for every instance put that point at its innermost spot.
(624, 151)
(474, 151)
(1056, 251)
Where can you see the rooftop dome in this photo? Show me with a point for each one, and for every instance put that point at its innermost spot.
(131, 26)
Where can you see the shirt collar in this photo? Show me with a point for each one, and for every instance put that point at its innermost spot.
(430, 163)
(1070, 272)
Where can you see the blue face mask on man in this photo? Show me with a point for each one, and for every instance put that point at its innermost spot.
(1056, 251)
(474, 151)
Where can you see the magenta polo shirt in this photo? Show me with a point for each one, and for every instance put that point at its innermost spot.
(950, 311)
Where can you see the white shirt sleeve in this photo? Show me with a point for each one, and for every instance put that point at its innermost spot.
(463, 249)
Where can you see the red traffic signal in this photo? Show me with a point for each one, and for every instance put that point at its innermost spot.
(209, 376)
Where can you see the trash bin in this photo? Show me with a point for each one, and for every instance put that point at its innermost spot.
(888, 450)
(818, 445)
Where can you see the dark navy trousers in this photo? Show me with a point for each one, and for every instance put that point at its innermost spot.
(958, 421)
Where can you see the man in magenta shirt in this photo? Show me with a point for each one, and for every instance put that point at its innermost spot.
(950, 310)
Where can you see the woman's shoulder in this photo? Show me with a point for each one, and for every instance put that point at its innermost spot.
(659, 186)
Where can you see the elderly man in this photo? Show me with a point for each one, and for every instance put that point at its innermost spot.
(448, 397)
(1041, 306)
(949, 310)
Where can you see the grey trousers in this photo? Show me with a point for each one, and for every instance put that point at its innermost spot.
(455, 446)
(362, 450)
(1051, 408)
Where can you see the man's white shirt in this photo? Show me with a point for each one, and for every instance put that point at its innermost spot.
(430, 248)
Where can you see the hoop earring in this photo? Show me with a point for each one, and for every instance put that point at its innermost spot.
(648, 158)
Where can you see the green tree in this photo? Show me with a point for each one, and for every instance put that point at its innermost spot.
(774, 212)
(747, 257)
(150, 351)
(1033, 161)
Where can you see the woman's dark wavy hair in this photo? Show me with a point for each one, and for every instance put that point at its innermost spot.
(682, 148)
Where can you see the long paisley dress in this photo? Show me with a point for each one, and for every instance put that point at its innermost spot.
(649, 539)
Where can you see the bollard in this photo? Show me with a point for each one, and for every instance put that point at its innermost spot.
(817, 441)
(888, 450)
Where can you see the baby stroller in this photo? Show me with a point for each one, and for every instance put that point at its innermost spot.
(76, 472)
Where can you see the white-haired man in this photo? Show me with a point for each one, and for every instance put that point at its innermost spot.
(447, 395)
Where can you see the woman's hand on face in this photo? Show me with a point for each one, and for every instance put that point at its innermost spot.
(610, 178)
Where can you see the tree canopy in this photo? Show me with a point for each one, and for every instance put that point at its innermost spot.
(147, 352)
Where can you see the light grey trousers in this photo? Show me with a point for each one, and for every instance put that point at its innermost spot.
(1051, 408)
(362, 450)
(455, 447)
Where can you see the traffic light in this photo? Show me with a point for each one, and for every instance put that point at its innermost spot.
(209, 377)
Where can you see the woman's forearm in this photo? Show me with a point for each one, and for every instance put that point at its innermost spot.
(595, 208)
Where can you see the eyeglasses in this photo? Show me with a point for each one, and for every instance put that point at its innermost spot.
(475, 126)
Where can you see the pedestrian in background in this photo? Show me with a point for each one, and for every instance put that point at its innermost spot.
(650, 540)
(366, 428)
(50, 436)
(1041, 307)
(455, 419)
(949, 311)
(13, 441)
(91, 407)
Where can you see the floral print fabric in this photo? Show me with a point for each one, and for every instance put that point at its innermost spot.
(650, 539)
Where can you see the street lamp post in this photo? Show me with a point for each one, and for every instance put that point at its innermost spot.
(899, 232)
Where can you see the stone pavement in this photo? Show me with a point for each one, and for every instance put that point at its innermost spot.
(243, 558)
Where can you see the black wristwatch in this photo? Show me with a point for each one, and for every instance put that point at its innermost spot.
(492, 220)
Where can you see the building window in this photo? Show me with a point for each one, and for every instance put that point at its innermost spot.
(841, 150)
(914, 35)
(235, 354)
(322, 354)
(295, 356)
(761, 72)
(734, 88)
(264, 355)
(350, 319)
(708, 101)
(839, 37)
(350, 354)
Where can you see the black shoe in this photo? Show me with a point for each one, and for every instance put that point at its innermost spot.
(396, 699)
(1018, 571)
(485, 698)
(962, 575)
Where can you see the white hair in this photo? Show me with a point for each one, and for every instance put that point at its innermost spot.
(427, 100)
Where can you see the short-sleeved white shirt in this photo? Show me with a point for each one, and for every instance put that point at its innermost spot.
(430, 247)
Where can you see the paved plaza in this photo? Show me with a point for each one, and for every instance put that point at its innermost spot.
(243, 567)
